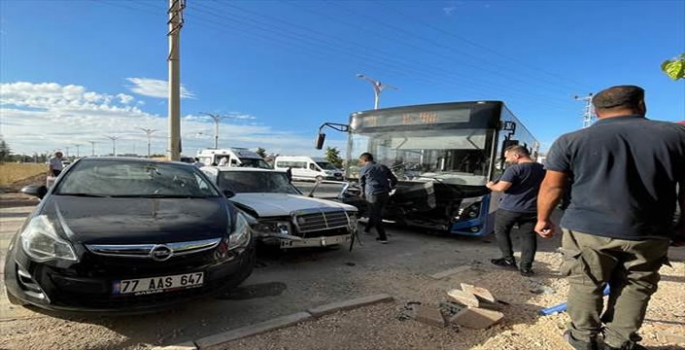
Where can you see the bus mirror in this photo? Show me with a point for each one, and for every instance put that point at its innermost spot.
(509, 126)
(320, 139)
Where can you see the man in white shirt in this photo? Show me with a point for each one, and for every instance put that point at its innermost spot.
(55, 164)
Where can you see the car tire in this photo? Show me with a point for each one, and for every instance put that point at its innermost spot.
(319, 178)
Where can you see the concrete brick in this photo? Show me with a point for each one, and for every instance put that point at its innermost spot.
(183, 346)
(349, 304)
(218, 341)
(477, 318)
(463, 298)
(480, 293)
(450, 272)
(429, 315)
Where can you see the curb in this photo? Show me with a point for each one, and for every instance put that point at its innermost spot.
(219, 340)
(348, 305)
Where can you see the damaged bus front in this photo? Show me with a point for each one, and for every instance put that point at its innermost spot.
(443, 154)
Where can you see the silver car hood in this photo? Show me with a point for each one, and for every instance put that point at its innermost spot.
(281, 204)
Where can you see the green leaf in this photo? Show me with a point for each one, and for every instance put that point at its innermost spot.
(675, 69)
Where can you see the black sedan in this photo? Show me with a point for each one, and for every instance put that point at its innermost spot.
(130, 235)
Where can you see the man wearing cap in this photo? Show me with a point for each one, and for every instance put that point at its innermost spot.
(617, 230)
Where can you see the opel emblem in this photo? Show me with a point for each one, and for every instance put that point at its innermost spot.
(161, 252)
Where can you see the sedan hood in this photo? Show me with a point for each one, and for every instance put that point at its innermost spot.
(281, 204)
(137, 220)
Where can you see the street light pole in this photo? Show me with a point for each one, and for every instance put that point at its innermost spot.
(92, 144)
(78, 153)
(217, 118)
(148, 132)
(378, 88)
(114, 144)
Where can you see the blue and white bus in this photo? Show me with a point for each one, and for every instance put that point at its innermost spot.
(443, 154)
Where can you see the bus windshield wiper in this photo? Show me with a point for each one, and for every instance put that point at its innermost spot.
(81, 195)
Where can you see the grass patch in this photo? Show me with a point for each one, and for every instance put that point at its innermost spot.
(14, 172)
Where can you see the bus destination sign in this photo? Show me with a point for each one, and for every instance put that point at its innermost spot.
(417, 118)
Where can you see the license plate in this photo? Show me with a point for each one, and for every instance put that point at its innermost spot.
(153, 285)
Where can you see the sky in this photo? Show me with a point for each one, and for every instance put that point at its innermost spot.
(75, 72)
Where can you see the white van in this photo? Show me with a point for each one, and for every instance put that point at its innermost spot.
(232, 157)
(308, 168)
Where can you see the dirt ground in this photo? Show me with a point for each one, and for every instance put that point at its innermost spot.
(379, 327)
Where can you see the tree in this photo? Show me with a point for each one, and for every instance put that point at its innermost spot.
(675, 68)
(261, 152)
(4, 151)
(333, 156)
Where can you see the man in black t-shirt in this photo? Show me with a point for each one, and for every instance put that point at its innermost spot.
(520, 184)
(617, 230)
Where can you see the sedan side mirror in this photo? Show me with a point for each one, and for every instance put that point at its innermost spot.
(36, 191)
(228, 193)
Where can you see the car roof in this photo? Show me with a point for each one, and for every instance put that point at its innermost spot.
(244, 169)
(130, 160)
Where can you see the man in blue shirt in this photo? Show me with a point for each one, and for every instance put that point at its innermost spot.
(520, 184)
(376, 181)
(616, 231)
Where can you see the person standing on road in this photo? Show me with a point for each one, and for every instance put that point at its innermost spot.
(625, 171)
(376, 181)
(55, 165)
(520, 184)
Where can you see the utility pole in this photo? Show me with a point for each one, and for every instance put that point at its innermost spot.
(92, 144)
(175, 24)
(148, 132)
(78, 152)
(217, 118)
(589, 113)
(67, 152)
(114, 144)
(378, 88)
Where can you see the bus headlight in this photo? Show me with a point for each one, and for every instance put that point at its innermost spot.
(468, 212)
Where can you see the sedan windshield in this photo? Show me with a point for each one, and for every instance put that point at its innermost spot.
(255, 182)
(130, 178)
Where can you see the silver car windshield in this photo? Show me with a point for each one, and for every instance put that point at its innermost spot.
(121, 178)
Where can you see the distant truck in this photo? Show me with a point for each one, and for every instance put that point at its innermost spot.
(232, 157)
(308, 168)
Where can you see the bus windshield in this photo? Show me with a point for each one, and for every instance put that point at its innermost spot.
(458, 155)
(326, 166)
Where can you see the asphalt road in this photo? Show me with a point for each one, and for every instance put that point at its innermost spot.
(283, 283)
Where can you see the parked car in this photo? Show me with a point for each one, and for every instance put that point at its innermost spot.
(284, 217)
(118, 234)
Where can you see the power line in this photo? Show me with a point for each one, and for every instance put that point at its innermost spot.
(385, 62)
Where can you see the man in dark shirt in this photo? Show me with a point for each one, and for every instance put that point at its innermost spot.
(376, 181)
(520, 184)
(616, 231)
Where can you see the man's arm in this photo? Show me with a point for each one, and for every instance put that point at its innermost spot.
(551, 190)
(500, 186)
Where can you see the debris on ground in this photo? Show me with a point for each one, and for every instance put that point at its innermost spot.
(537, 287)
(477, 318)
(429, 315)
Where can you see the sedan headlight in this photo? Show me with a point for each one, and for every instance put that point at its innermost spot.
(41, 242)
(241, 235)
(278, 227)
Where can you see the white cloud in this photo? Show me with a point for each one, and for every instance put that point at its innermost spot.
(155, 88)
(448, 10)
(40, 117)
(125, 99)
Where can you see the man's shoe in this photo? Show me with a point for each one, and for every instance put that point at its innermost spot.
(504, 263)
(382, 240)
(579, 344)
(527, 272)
